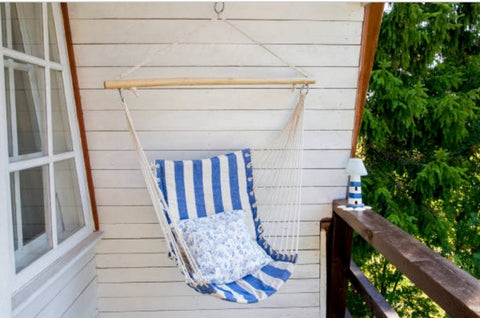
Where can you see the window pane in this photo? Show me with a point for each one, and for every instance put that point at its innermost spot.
(13, 193)
(4, 24)
(67, 199)
(25, 91)
(27, 31)
(9, 114)
(52, 37)
(62, 140)
(30, 213)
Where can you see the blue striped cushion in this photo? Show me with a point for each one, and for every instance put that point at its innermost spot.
(254, 287)
(197, 188)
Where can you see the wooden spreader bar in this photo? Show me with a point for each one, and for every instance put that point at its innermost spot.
(194, 81)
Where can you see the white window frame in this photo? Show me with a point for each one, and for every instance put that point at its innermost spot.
(10, 281)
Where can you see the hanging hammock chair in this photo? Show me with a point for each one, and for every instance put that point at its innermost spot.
(267, 198)
(231, 222)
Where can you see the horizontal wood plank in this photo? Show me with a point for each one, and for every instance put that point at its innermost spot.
(158, 289)
(201, 302)
(140, 260)
(131, 214)
(134, 178)
(224, 99)
(215, 120)
(116, 197)
(213, 140)
(172, 274)
(307, 228)
(329, 11)
(127, 160)
(195, 55)
(134, 246)
(296, 312)
(142, 31)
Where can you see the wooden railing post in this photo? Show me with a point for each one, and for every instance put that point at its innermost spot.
(340, 246)
(453, 289)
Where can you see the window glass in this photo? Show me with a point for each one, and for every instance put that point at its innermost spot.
(52, 37)
(25, 91)
(67, 199)
(4, 24)
(30, 214)
(62, 140)
(9, 113)
(27, 34)
(16, 223)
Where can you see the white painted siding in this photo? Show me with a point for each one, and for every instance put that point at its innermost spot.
(73, 294)
(135, 277)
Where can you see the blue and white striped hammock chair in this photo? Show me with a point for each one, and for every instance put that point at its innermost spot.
(192, 189)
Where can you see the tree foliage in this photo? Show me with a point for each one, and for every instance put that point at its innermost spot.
(420, 139)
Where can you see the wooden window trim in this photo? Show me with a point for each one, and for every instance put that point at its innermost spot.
(78, 105)
(370, 32)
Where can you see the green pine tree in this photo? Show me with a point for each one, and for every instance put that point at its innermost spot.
(420, 139)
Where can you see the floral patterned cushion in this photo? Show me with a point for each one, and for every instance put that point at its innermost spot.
(222, 246)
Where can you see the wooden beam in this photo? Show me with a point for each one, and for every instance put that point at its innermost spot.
(193, 81)
(78, 105)
(371, 30)
(340, 245)
(325, 224)
(456, 291)
(372, 297)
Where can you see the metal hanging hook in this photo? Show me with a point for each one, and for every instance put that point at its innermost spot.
(304, 89)
(218, 11)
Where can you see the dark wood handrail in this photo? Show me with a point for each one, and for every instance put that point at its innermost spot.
(372, 297)
(453, 289)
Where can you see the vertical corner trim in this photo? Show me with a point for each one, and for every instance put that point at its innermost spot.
(370, 32)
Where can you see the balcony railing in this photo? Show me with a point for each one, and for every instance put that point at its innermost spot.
(457, 292)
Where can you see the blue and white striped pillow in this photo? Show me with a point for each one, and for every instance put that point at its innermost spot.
(198, 188)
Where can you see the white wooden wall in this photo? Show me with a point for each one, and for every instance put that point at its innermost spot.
(135, 277)
(71, 295)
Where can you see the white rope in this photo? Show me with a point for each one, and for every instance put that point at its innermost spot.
(175, 242)
(189, 33)
(262, 45)
(163, 49)
(280, 179)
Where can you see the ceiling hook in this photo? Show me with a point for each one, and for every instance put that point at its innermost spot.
(217, 10)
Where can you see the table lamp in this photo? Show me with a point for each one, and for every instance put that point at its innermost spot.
(355, 169)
